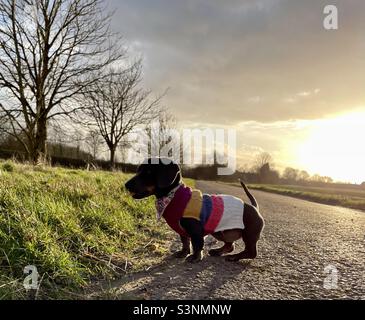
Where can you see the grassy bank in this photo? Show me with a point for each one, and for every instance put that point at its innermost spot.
(74, 226)
(353, 198)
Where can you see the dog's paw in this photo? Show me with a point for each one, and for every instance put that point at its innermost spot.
(233, 258)
(241, 256)
(181, 254)
(215, 252)
(194, 258)
(221, 251)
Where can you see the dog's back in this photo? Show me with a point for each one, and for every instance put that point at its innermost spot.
(214, 212)
(233, 211)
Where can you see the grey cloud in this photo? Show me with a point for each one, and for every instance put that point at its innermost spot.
(216, 55)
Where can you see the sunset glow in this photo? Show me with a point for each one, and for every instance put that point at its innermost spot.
(335, 147)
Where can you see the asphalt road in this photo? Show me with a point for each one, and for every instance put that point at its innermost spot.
(307, 251)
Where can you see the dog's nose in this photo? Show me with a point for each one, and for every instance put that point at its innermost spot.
(129, 185)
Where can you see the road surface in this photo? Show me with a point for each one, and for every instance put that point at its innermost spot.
(307, 251)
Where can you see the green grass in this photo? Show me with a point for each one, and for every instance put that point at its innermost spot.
(74, 226)
(353, 198)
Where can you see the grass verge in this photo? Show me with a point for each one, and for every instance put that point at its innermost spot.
(75, 226)
(348, 198)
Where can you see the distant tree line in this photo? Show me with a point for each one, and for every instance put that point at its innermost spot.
(262, 171)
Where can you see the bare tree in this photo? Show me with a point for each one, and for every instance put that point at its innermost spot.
(291, 175)
(4, 126)
(261, 160)
(321, 179)
(124, 146)
(78, 140)
(160, 135)
(303, 176)
(118, 105)
(94, 141)
(48, 50)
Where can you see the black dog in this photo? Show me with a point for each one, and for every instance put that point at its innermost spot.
(161, 177)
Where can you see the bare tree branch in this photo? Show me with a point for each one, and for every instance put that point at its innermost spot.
(50, 52)
(118, 105)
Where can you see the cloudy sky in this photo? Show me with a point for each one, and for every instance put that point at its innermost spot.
(265, 67)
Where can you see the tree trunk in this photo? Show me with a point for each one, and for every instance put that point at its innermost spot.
(31, 151)
(112, 157)
(40, 150)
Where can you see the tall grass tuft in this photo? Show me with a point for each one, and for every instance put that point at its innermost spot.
(7, 167)
(74, 226)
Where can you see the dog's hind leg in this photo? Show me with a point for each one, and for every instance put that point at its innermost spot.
(254, 224)
(228, 237)
(250, 251)
(228, 247)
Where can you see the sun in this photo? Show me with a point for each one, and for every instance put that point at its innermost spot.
(335, 147)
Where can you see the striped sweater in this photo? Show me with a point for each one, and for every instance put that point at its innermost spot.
(215, 212)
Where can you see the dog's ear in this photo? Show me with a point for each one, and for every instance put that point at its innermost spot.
(167, 174)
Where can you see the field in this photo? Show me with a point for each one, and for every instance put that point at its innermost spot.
(349, 197)
(75, 226)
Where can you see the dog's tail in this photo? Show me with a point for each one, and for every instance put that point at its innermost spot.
(249, 195)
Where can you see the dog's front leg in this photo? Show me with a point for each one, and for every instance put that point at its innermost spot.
(195, 230)
(185, 251)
